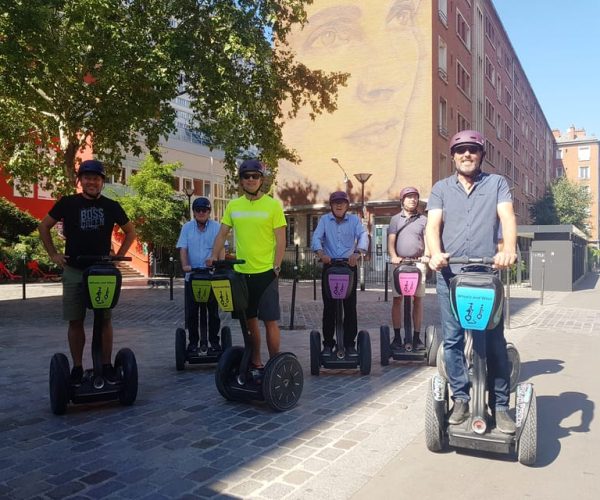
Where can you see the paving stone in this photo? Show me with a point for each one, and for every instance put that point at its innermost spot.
(297, 477)
(245, 489)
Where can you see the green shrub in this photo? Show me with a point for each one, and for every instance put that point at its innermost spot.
(14, 222)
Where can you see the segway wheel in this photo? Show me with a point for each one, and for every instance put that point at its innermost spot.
(384, 345)
(432, 344)
(283, 381)
(527, 446)
(315, 353)
(60, 383)
(364, 352)
(228, 369)
(435, 414)
(439, 361)
(126, 365)
(225, 338)
(514, 365)
(180, 349)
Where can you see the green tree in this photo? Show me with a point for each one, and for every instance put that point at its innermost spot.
(74, 71)
(565, 202)
(14, 222)
(154, 206)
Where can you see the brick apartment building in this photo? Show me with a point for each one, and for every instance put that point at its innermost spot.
(420, 71)
(578, 158)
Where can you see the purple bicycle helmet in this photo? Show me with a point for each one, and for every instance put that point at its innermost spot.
(467, 137)
(91, 167)
(338, 196)
(409, 190)
(252, 165)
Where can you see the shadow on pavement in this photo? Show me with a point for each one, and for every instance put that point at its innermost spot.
(530, 369)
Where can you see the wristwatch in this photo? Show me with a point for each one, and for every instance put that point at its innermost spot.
(277, 269)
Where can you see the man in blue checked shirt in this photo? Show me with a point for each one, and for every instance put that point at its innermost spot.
(339, 235)
(195, 245)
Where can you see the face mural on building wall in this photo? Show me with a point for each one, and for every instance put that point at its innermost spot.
(377, 42)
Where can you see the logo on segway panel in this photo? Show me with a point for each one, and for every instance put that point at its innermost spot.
(101, 290)
(338, 285)
(474, 307)
(201, 290)
(222, 289)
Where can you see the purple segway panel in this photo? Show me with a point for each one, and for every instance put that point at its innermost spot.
(339, 285)
(406, 280)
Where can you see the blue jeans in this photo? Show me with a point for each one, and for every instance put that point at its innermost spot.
(498, 374)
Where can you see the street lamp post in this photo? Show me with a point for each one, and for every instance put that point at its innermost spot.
(337, 162)
(189, 192)
(362, 178)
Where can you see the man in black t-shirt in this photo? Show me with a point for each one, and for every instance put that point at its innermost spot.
(88, 220)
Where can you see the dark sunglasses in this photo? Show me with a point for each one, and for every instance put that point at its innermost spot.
(471, 148)
(202, 210)
(251, 176)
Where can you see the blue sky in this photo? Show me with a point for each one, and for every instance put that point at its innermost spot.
(558, 45)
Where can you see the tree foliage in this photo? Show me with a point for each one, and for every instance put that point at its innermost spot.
(75, 71)
(565, 202)
(154, 206)
(14, 222)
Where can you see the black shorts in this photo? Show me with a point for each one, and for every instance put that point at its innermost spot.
(263, 296)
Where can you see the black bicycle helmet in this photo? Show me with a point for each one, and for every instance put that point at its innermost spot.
(252, 165)
(201, 202)
(91, 167)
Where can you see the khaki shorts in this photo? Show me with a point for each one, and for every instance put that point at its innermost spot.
(420, 289)
(74, 307)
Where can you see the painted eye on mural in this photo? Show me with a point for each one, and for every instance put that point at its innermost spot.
(400, 15)
(331, 35)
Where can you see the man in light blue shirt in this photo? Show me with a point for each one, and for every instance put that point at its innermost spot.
(339, 235)
(195, 245)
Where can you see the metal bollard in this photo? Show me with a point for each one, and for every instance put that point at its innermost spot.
(172, 275)
(24, 275)
(362, 273)
(542, 291)
(385, 280)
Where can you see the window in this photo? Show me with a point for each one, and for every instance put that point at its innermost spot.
(490, 152)
(584, 172)
(207, 188)
(462, 122)
(559, 172)
(489, 111)
(583, 153)
(490, 32)
(559, 154)
(311, 225)
(187, 184)
(44, 194)
(508, 167)
(444, 167)
(507, 98)
(442, 59)
(463, 79)
(443, 11)
(490, 71)
(443, 118)
(507, 133)
(499, 88)
(463, 30)
(290, 231)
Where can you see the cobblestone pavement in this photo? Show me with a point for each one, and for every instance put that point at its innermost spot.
(181, 439)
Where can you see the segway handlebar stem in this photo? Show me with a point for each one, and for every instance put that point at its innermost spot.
(102, 258)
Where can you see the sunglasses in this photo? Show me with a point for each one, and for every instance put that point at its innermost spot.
(473, 149)
(251, 176)
(201, 210)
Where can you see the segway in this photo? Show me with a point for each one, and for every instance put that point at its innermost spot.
(338, 285)
(476, 297)
(200, 281)
(102, 287)
(280, 382)
(407, 278)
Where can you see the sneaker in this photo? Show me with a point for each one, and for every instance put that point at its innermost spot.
(109, 373)
(504, 422)
(192, 348)
(351, 351)
(460, 412)
(327, 351)
(397, 344)
(214, 350)
(76, 375)
(417, 344)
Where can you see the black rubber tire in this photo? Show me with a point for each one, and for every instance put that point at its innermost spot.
(228, 368)
(527, 446)
(315, 353)
(435, 418)
(439, 361)
(384, 345)
(60, 384)
(126, 366)
(432, 344)
(180, 349)
(283, 381)
(364, 352)
(514, 364)
(226, 338)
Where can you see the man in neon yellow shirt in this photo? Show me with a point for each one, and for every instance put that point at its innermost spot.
(259, 225)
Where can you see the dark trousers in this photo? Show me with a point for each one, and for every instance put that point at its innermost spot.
(350, 318)
(209, 317)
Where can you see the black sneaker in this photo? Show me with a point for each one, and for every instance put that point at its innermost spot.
(417, 344)
(192, 348)
(504, 422)
(351, 351)
(397, 344)
(327, 351)
(460, 412)
(76, 375)
(109, 373)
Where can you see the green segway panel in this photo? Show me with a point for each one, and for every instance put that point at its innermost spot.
(477, 299)
(230, 290)
(103, 285)
(201, 283)
(339, 282)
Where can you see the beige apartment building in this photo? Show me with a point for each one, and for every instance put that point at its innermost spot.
(578, 158)
(420, 70)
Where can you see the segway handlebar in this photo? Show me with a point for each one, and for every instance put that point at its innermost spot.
(102, 258)
(470, 260)
(226, 263)
(406, 260)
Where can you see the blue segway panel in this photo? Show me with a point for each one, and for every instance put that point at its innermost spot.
(406, 279)
(230, 290)
(201, 286)
(476, 300)
(339, 281)
(103, 285)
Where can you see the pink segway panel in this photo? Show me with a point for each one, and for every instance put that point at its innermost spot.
(408, 283)
(338, 285)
